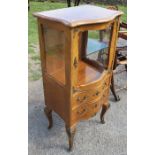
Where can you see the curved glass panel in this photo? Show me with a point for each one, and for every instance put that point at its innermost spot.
(93, 54)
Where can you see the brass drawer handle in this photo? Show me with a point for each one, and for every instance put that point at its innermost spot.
(83, 99)
(104, 85)
(81, 112)
(97, 93)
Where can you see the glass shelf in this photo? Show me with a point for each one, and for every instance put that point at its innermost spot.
(94, 45)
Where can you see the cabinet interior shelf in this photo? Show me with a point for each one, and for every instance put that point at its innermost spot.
(86, 73)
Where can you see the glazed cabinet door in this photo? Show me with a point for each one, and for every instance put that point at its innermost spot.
(54, 43)
(94, 70)
(94, 49)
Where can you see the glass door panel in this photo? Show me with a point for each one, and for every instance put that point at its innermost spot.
(55, 53)
(93, 55)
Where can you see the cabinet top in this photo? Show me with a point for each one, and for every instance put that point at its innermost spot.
(80, 15)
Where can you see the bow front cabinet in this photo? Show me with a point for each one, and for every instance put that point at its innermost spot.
(76, 63)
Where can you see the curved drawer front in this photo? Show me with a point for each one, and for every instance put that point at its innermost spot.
(106, 97)
(92, 94)
(86, 110)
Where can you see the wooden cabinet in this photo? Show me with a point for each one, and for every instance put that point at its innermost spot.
(76, 68)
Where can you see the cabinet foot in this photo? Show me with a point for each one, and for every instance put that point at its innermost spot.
(48, 114)
(70, 133)
(104, 109)
(113, 90)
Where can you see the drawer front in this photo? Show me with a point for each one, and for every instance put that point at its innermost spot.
(105, 97)
(92, 94)
(86, 111)
(95, 107)
(80, 113)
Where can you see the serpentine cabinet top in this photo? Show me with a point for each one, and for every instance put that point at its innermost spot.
(80, 15)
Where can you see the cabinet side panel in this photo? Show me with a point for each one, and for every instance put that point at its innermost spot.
(55, 98)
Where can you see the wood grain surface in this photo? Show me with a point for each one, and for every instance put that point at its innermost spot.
(80, 15)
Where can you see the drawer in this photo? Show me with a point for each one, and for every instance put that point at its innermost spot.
(91, 95)
(95, 107)
(86, 111)
(87, 97)
(81, 98)
(80, 112)
(106, 82)
(105, 96)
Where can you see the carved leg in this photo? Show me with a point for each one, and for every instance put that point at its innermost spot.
(48, 114)
(112, 87)
(70, 133)
(104, 109)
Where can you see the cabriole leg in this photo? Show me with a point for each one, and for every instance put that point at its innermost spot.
(104, 109)
(48, 114)
(112, 87)
(70, 133)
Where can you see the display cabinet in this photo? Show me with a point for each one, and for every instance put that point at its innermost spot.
(76, 68)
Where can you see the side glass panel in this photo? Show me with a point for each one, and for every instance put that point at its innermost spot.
(93, 54)
(55, 53)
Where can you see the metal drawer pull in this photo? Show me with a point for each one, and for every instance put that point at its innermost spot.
(104, 85)
(97, 93)
(81, 112)
(81, 100)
